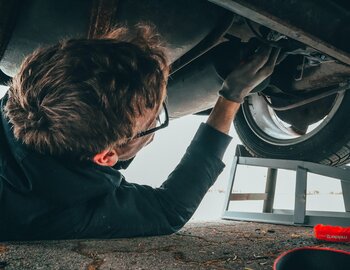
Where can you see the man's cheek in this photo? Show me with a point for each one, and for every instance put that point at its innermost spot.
(150, 139)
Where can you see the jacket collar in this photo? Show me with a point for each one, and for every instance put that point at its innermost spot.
(18, 150)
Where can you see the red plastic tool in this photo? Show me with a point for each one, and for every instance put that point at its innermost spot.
(332, 233)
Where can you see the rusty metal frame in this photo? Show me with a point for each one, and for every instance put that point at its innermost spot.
(306, 27)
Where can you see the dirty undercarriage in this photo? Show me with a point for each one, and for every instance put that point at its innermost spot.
(298, 113)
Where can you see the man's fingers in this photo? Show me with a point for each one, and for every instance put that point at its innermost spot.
(260, 59)
(270, 65)
(273, 57)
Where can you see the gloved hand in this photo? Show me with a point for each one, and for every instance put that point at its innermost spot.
(248, 75)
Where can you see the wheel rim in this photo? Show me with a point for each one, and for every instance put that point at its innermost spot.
(264, 122)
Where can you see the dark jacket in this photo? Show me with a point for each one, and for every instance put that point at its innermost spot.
(42, 197)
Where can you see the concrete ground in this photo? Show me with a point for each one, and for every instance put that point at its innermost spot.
(218, 245)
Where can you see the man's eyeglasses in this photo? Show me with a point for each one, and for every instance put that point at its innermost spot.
(162, 122)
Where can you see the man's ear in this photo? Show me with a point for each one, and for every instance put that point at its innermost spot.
(106, 158)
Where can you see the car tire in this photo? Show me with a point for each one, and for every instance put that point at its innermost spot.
(329, 144)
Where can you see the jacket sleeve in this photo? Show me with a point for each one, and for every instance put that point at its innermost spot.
(140, 210)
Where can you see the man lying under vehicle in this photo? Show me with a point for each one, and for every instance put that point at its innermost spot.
(77, 111)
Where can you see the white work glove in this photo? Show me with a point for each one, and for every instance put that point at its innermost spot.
(243, 79)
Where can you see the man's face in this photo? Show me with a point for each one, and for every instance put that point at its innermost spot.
(143, 122)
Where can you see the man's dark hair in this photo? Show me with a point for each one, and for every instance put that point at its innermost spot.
(81, 96)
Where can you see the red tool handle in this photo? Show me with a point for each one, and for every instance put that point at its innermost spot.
(332, 233)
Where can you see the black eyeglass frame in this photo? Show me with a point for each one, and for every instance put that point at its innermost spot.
(152, 130)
